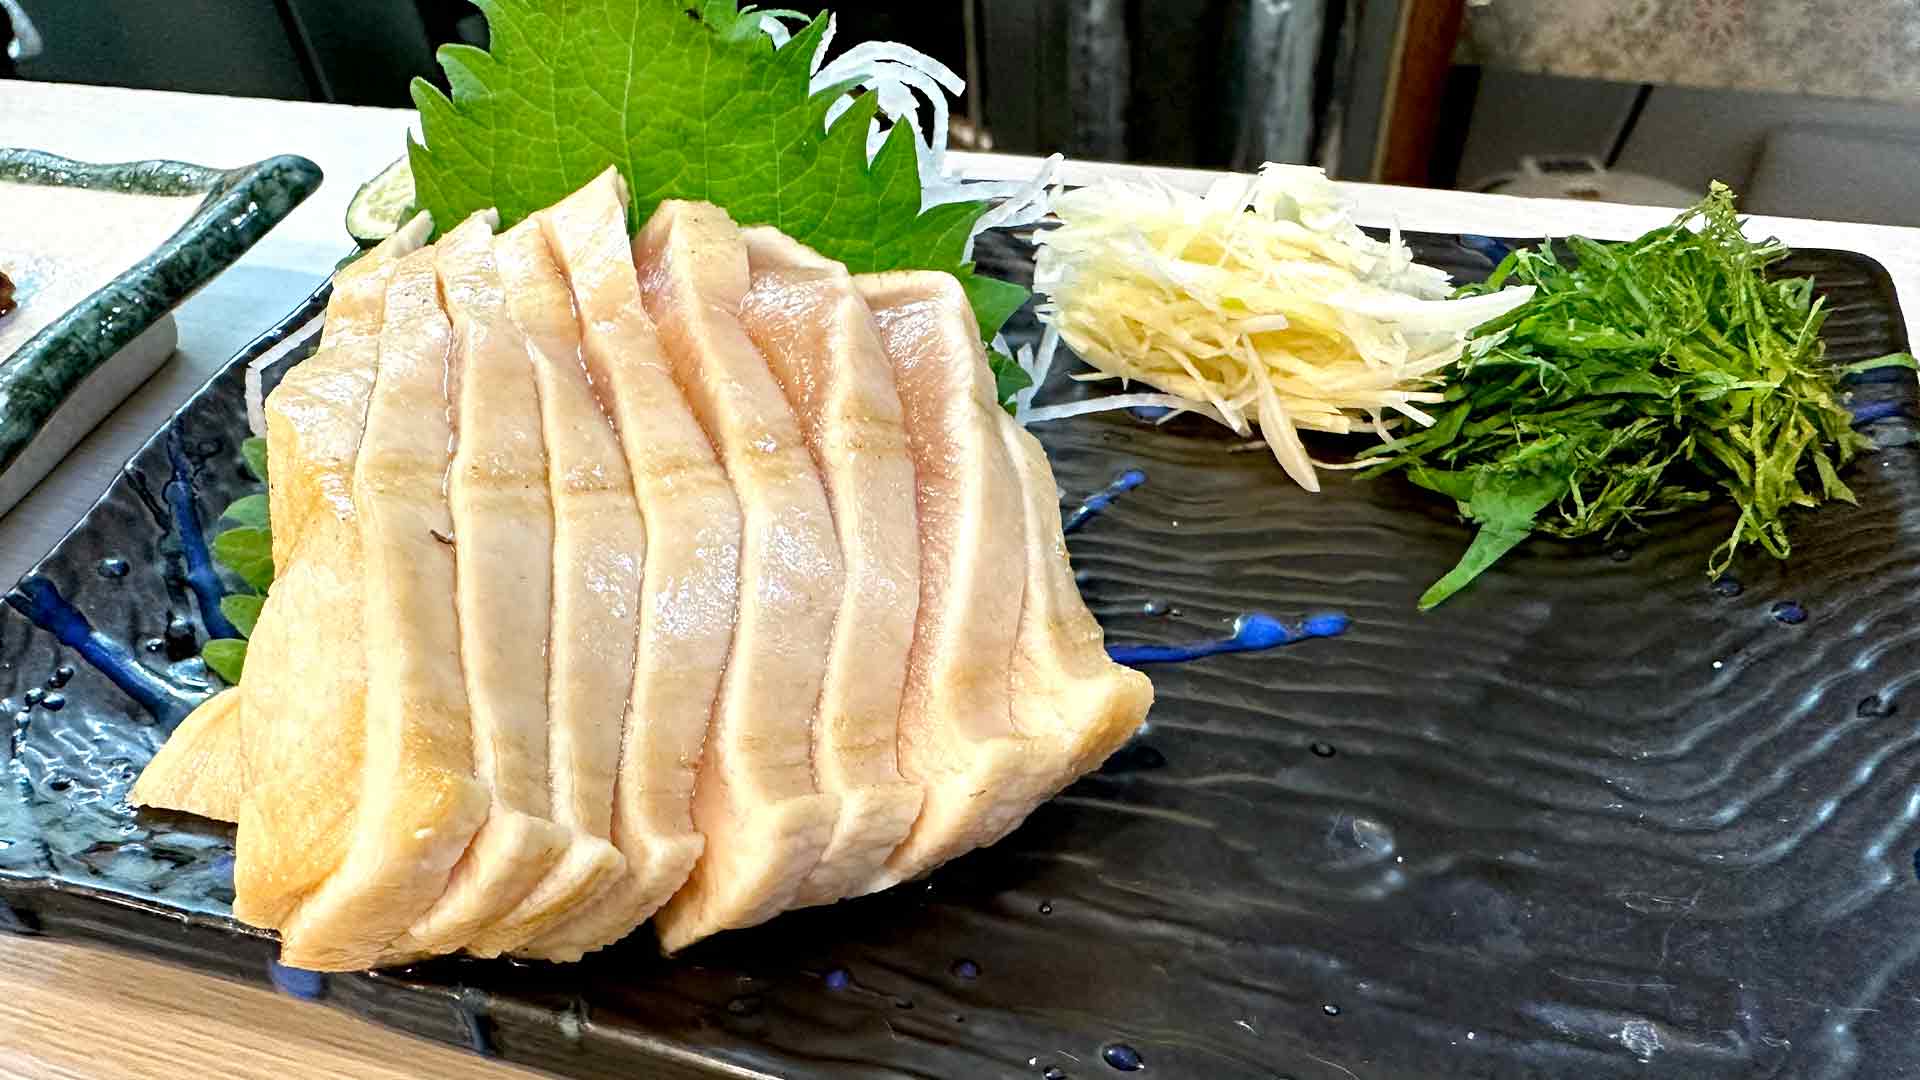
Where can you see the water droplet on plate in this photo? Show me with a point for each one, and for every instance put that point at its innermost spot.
(1122, 1057)
(1046, 907)
(113, 568)
(1620, 554)
(1875, 707)
(744, 1006)
(1321, 749)
(965, 969)
(838, 979)
(54, 702)
(1053, 1072)
(61, 676)
(1789, 612)
(1330, 1009)
(1154, 607)
(34, 696)
(180, 640)
(1726, 586)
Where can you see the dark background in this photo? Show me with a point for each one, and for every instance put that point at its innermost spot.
(1166, 88)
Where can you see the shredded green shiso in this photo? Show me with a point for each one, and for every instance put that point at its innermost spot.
(1643, 378)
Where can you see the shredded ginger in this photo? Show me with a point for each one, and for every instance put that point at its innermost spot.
(1260, 303)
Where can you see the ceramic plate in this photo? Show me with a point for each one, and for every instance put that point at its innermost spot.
(1595, 817)
(99, 256)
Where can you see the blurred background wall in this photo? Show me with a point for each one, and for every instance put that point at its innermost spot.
(1808, 107)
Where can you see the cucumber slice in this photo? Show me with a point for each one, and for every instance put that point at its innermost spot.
(382, 204)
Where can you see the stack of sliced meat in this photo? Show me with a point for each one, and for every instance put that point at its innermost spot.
(684, 577)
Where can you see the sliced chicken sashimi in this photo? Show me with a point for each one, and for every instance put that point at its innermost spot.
(956, 730)
(420, 803)
(302, 707)
(502, 542)
(198, 769)
(598, 547)
(201, 769)
(1073, 704)
(690, 577)
(818, 336)
(756, 802)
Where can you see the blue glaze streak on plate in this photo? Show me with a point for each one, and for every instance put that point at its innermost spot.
(38, 599)
(1100, 500)
(1252, 632)
(1870, 411)
(201, 575)
(297, 982)
(471, 1007)
(1493, 250)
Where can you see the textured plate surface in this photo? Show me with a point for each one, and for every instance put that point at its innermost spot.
(1593, 817)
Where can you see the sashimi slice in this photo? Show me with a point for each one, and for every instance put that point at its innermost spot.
(420, 803)
(690, 577)
(818, 336)
(201, 769)
(197, 770)
(303, 698)
(598, 547)
(956, 729)
(502, 542)
(1073, 704)
(765, 821)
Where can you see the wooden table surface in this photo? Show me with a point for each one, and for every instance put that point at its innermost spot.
(75, 1012)
(68, 1011)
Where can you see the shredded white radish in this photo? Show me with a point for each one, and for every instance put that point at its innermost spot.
(1021, 202)
(1069, 409)
(774, 25)
(1037, 363)
(1258, 303)
(900, 78)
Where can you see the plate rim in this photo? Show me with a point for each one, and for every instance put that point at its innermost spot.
(41, 902)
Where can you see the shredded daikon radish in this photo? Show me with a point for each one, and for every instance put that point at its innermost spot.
(1176, 405)
(900, 78)
(1258, 303)
(1037, 363)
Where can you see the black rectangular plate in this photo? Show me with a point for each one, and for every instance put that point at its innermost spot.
(1593, 817)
